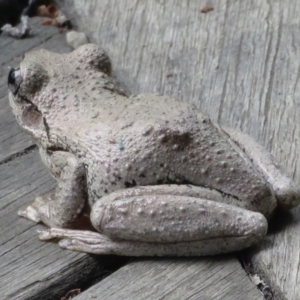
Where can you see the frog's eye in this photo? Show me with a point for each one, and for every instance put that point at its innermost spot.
(14, 80)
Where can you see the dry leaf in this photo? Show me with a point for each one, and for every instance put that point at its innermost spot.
(49, 22)
(71, 294)
(47, 11)
(206, 9)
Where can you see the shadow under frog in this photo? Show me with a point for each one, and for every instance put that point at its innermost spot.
(158, 176)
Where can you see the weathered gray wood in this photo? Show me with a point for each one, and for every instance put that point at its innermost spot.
(176, 279)
(277, 257)
(31, 269)
(12, 48)
(232, 62)
(238, 63)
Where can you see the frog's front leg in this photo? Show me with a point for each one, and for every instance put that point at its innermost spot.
(133, 222)
(60, 209)
(285, 190)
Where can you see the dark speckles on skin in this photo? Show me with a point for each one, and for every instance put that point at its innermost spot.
(130, 184)
(121, 145)
(180, 139)
(118, 177)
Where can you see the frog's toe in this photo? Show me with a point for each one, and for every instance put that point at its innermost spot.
(82, 235)
(31, 213)
(79, 240)
(81, 246)
(45, 235)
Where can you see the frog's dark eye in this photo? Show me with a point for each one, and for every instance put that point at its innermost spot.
(14, 80)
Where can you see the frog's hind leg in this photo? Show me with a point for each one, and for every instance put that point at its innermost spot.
(286, 192)
(164, 220)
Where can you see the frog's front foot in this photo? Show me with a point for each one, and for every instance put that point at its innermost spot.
(63, 207)
(33, 211)
(38, 210)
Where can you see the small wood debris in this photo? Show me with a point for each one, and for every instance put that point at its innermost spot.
(76, 39)
(262, 286)
(54, 17)
(71, 294)
(206, 9)
(49, 11)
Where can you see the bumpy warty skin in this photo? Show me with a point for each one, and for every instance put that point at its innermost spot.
(160, 178)
(155, 170)
(130, 141)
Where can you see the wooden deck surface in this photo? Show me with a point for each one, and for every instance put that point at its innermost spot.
(239, 63)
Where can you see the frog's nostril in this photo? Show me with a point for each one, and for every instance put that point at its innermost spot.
(14, 80)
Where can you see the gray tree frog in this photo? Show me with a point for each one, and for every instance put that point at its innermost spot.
(158, 176)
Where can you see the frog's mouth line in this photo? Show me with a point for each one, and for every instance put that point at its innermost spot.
(24, 99)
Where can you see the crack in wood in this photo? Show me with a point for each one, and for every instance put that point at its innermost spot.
(18, 154)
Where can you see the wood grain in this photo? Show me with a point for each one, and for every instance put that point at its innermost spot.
(166, 278)
(238, 63)
(31, 269)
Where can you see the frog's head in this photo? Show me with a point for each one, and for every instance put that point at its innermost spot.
(45, 87)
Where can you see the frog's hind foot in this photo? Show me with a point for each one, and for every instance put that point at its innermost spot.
(79, 240)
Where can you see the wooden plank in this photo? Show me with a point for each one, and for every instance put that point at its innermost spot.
(166, 278)
(31, 269)
(277, 258)
(12, 138)
(238, 63)
(12, 47)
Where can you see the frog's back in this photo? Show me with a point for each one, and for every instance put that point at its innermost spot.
(150, 139)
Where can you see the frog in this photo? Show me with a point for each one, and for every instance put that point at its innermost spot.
(152, 174)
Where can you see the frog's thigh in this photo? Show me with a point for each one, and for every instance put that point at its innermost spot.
(286, 192)
(62, 207)
(172, 219)
(134, 223)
